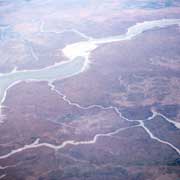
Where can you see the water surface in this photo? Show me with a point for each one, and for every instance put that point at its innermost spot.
(78, 54)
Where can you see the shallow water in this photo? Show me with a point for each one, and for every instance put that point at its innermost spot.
(78, 54)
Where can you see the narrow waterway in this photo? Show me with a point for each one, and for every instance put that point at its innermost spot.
(78, 55)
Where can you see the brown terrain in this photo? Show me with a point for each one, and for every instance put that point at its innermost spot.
(99, 124)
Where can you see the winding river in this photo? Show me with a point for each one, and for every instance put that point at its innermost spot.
(78, 55)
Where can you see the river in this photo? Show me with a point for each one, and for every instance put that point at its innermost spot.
(78, 55)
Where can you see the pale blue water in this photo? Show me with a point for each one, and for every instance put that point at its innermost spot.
(76, 65)
(47, 74)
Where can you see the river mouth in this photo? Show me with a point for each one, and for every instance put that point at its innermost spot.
(78, 55)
